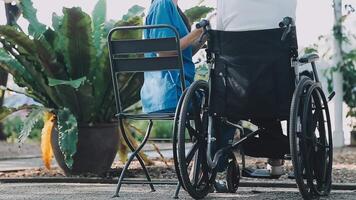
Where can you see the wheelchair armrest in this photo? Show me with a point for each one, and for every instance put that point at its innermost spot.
(309, 58)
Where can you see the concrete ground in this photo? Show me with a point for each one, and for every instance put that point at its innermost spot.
(71, 191)
(45, 191)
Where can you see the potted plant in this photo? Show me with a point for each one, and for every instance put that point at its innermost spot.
(65, 68)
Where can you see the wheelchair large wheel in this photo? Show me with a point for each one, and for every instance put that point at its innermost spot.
(311, 139)
(192, 141)
(175, 137)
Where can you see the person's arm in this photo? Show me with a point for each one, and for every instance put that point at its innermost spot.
(192, 39)
(198, 44)
(163, 15)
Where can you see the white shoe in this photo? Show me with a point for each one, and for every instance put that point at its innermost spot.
(275, 166)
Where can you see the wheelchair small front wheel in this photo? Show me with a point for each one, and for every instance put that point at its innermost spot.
(232, 174)
(311, 140)
(192, 127)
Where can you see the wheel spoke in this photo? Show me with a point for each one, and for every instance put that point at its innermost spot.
(191, 153)
(196, 113)
(196, 168)
(314, 121)
(191, 130)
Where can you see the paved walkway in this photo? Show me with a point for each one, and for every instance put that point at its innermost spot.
(137, 192)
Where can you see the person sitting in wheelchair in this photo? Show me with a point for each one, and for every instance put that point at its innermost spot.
(253, 15)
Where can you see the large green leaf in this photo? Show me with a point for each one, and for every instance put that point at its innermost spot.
(68, 135)
(24, 50)
(13, 66)
(80, 53)
(21, 76)
(30, 122)
(59, 39)
(68, 95)
(35, 28)
(6, 111)
(134, 11)
(48, 60)
(198, 12)
(56, 21)
(72, 83)
(134, 34)
(99, 17)
(23, 42)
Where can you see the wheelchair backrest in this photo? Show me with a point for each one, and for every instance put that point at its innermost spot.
(252, 76)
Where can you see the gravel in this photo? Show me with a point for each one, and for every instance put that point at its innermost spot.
(344, 168)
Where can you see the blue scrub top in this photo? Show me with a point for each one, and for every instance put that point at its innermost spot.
(161, 89)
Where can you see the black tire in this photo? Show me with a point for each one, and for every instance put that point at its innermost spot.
(232, 174)
(192, 129)
(311, 140)
(175, 137)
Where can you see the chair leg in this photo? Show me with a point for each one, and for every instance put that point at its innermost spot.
(119, 183)
(177, 191)
(135, 153)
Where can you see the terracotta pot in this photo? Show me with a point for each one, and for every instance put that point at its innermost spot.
(353, 138)
(96, 149)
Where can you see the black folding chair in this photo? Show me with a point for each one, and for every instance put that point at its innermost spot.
(127, 56)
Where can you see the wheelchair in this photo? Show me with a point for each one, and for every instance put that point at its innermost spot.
(254, 75)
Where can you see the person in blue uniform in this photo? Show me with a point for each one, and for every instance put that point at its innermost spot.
(162, 89)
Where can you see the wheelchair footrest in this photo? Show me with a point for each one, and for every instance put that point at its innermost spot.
(258, 173)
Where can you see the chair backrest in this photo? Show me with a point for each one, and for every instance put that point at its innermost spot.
(128, 55)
